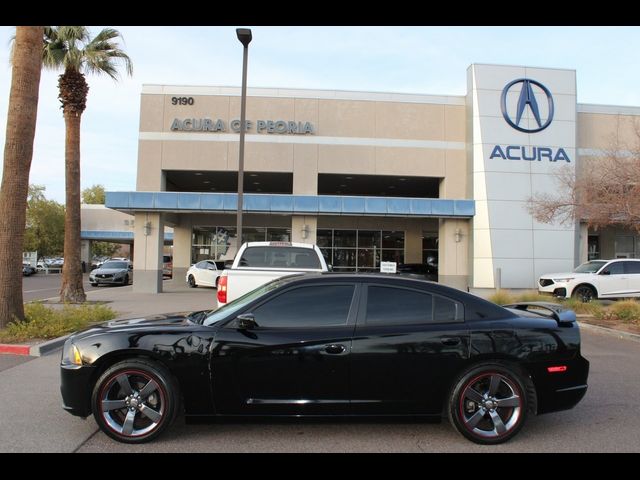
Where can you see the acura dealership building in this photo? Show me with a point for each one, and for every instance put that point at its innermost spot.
(373, 177)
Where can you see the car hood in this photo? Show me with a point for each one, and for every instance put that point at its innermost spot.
(109, 270)
(566, 275)
(152, 322)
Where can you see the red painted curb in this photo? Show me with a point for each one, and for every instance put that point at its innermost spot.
(15, 349)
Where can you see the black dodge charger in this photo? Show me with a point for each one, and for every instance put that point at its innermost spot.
(331, 344)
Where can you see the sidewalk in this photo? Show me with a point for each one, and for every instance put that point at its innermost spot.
(176, 297)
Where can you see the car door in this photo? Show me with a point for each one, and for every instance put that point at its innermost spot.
(612, 280)
(296, 361)
(632, 270)
(406, 349)
(210, 273)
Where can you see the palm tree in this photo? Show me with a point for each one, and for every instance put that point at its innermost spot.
(18, 151)
(72, 49)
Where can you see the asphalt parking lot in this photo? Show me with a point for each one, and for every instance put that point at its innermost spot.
(605, 420)
(41, 286)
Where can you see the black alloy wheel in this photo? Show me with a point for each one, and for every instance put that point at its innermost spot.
(192, 282)
(489, 403)
(135, 400)
(584, 293)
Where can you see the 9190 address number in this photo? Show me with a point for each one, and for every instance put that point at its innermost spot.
(182, 100)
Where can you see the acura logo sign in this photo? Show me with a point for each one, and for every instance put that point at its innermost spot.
(530, 93)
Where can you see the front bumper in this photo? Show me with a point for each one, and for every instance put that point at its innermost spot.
(109, 281)
(75, 388)
(557, 289)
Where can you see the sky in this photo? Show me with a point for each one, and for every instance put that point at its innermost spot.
(420, 60)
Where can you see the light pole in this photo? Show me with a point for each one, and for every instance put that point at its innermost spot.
(244, 35)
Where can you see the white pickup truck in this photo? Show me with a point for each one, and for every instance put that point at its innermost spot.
(258, 263)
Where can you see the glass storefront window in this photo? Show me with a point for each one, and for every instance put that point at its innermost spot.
(324, 238)
(360, 250)
(219, 243)
(393, 239)
(344, 238)
(368, 238)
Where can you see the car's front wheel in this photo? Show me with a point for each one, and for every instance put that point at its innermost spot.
(135, 400)
(488, 404)
(584, 293)
(192, 282)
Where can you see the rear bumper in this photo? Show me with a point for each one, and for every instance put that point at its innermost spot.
(75, 388)
(566, 389)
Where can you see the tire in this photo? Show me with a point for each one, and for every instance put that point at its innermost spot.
(125, 280)
(192, 282)
(130, 423)
(474, 403)
(584, 293)
(94, 284)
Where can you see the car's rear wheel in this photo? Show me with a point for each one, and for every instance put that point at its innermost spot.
(135, 400)
(584, 293)
(489, 404)
(192, 282)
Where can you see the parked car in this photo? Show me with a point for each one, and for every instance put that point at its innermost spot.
(112, 272)
(331, 344)
(28, 270)
(418, 270)
(257, 263)
(167, 266)
(619, 278)
(204, 273)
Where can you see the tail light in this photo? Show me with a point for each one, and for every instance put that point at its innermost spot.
(557, 369)
(222, 289)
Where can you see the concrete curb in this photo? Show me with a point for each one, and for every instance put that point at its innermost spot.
(47, 347)
(36, 350)
(610, 331)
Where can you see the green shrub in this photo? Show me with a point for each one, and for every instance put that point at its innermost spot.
(501, 297)
(44, 322)
(626, 310)
(534, 296)
(593, 308)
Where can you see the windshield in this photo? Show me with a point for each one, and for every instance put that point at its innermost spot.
(590, 267)
(239, 303)
(115, 265)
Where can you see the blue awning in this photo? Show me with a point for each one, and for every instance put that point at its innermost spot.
(289, 204)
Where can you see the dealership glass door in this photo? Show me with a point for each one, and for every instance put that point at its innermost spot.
(360, 250)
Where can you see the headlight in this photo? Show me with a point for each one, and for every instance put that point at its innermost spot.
(71, 354)
(563, 280)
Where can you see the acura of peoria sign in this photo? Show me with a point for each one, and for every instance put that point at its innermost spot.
(532, 94)
(260, 126)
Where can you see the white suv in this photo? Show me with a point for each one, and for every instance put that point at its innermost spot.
(617, 278)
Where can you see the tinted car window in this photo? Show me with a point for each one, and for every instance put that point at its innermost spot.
(632, 267)
(312, 306)
(279, 257)
(115, 265)
(399, 306)
(447, 310)
(614, 268)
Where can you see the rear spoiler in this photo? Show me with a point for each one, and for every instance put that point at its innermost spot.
(564, 316)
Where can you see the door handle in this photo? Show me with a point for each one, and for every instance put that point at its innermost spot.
(450, 341)
(335, 349)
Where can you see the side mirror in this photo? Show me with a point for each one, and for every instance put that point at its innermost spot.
(605, 272)
(329, 267)
(246, 322)
(130, 267)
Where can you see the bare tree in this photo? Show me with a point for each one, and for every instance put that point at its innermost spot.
(604, 191)
(18, 151)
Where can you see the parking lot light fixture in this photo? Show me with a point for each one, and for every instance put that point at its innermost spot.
(244, 35)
